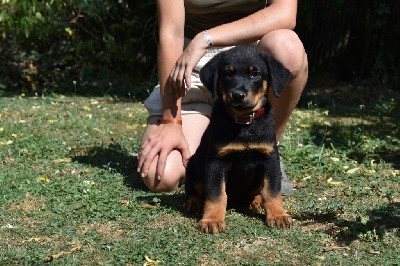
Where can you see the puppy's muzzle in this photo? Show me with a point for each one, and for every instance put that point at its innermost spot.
(238, 96)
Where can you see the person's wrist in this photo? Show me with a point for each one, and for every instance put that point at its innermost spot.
(207, 38)
(201, 41)
(170, 121)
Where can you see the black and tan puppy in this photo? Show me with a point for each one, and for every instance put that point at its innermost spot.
(238, 160)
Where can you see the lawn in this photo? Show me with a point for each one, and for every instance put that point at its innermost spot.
(70, 195)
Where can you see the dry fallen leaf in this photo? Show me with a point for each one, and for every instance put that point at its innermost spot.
(353, 170)
(44, 179)
(149, 206)
(125, 202)
(62, 253)
(374, 252)
(150, 262)
(8, 160)
(333, 248)
(335, 183)
(32, 239)
(335, 159)
(62, 160)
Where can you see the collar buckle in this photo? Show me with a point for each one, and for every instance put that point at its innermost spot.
(244, 119)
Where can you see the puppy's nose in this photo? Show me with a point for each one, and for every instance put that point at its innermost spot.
(238, 96)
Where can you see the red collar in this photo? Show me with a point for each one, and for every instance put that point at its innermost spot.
(246, 119)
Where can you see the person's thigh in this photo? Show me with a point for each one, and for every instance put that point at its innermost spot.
(193, 126)
(287, 48)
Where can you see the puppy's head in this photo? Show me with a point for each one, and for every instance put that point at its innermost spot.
(241, 77)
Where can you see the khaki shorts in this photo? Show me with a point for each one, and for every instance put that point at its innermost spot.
(198, 99)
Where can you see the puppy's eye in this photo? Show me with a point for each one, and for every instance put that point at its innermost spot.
(229, 73)
(254, 74)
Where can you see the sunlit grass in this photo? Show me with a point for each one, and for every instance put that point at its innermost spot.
(69, 191)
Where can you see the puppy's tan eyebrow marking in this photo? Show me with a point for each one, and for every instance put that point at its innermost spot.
(251, 68)
(231, 69)
(264, 148)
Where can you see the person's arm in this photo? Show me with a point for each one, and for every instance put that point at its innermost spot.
(280, 14)
(171, 16)
(168, 136)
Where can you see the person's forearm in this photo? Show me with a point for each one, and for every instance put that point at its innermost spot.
(171, 18)
(281, 14)
(169, 51)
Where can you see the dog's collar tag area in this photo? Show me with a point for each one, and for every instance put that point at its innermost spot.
(247, 119)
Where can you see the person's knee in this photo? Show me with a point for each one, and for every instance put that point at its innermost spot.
(286, 47)
(168, 183)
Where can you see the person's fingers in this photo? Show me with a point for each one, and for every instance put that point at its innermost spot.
(162, 160)
(185, 152)
(188, 80)
(149, 158)
(147, 146)
(171, 80)
(142, 152)
(181, 80)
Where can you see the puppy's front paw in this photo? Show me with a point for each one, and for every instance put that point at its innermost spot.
(279, 221)
(209, 226)
(193, 205)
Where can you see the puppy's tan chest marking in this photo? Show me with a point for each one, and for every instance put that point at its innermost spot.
(230, 148)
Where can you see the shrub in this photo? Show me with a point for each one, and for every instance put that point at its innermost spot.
(77, 46)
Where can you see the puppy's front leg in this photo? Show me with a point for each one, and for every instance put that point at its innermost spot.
(216, 200)
(213, 220)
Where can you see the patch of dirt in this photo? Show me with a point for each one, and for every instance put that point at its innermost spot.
(166, 221)
(313, 226)
(29, 204)
(262, 248)
(110, 230)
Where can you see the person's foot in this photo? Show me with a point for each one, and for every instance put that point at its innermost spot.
(287, 187)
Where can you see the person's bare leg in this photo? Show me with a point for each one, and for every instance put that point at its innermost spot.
(286, 47)
(194, 126)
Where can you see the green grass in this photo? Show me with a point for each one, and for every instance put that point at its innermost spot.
(68, 184)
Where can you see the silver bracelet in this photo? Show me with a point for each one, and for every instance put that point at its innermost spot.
(208, 39)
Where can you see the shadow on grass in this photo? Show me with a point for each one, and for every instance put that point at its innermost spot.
(374, 119)
(112, 158)
(173, 201)
(344, 99)
(358, 138)
(373, 227)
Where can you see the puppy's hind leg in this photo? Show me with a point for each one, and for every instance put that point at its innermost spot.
(255, 205)
(194, 189)
(195, 202)
(276, 216)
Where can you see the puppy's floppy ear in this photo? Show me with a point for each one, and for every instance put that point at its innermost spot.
(209, 74)
(278, 75)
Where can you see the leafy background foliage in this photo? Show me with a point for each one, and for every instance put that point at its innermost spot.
(109, 47)
(94, 47)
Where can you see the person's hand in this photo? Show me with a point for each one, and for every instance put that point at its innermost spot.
(185, 64)
(161, 142)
